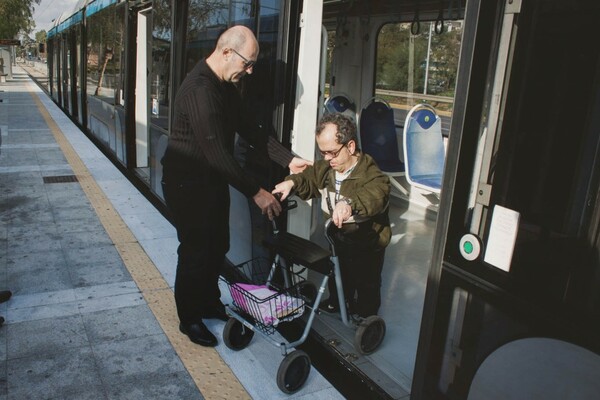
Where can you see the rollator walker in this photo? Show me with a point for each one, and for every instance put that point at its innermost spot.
(263, 297)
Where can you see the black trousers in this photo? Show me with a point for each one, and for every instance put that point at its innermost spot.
(201, 217)
(361, 277)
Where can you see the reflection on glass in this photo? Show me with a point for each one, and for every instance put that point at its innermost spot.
(106, 35)
(159, 70)
(67, 72)
(105, 45)
(159, 90)
(206, 21)
(78, 68)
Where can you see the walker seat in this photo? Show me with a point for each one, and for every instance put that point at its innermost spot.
(301, 251)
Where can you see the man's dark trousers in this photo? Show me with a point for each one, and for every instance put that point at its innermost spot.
(201, 216)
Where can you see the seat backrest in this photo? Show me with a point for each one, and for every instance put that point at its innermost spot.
(340, 103)
(424, 153)
(378, 135)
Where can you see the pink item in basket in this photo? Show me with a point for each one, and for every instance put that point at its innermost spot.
(270, 311)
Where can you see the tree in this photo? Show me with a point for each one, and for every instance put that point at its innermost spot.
(16, 17)
(40, 36)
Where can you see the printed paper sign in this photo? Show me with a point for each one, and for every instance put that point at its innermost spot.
(503, 235)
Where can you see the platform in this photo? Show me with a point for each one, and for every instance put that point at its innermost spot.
(91, 264)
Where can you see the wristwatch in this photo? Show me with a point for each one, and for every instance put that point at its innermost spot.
(347, 201)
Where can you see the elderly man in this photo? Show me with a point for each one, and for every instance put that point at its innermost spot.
(198, 167)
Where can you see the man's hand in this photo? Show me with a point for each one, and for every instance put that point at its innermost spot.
(284, 188)
(298, 165)
(341, 213)
(267, 203)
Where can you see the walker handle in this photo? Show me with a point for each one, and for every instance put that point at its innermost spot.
(287, 204)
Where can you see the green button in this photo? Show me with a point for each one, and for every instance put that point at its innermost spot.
(468, 247)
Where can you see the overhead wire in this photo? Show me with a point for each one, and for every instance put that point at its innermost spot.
(44, 10)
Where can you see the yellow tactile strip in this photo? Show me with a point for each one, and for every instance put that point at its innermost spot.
(210, 373)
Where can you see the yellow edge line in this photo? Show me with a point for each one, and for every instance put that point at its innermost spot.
(214, 378)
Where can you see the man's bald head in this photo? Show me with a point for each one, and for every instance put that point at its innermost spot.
(235, 38)
(235, 54)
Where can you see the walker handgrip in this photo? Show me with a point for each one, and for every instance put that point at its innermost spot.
(287, 204)
(330, 229)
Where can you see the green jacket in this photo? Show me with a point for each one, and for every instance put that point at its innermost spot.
(367, 188)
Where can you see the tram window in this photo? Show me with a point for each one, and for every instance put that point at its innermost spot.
(476, 326)
(106, 35)
(161, 63)
(206, 21)
(261, 90)
(488, 345)
(331, 38)
(414, 68)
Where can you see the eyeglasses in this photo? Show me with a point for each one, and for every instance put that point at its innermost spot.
(333, 154)
(247, 63)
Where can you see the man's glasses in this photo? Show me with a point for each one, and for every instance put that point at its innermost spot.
(247, 63)
(333, 154)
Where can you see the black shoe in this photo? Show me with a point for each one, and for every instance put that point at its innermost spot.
(199, 334)
(5, 295)
(328, 307)
(217, 313)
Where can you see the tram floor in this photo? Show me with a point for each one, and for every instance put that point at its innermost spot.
(404, 279)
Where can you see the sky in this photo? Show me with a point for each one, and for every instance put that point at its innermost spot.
(48, 10)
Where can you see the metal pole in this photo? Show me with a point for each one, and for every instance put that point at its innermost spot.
(427, 62)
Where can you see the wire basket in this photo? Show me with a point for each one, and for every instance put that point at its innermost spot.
(260, 294)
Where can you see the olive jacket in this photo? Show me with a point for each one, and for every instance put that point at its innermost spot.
(366, 189)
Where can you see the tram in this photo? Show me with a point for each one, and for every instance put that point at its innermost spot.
(502, 297)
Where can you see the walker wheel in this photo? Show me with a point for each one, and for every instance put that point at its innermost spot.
(236, 335)
(308, 291)
(293, 371)
(369, 334)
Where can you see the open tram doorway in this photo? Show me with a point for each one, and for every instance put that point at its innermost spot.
(402, 53)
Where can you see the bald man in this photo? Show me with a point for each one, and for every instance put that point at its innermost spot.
(198, 166)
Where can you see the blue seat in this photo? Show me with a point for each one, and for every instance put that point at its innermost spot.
(424, 152)
(340, 103)
(378, 136)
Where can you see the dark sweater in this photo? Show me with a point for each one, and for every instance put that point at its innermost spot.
(207, 114)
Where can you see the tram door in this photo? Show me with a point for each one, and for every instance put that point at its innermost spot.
(80, 68)
(309, 82)
(64, 63)
(512, 307)
(72, 59)
(144, 43)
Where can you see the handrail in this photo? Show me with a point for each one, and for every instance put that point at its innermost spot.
(430, 97)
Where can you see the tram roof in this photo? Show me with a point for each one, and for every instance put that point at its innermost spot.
(75, 16)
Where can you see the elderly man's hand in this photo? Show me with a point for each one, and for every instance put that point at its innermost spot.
(341, 213)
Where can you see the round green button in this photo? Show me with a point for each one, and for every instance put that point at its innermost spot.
(468, 247)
